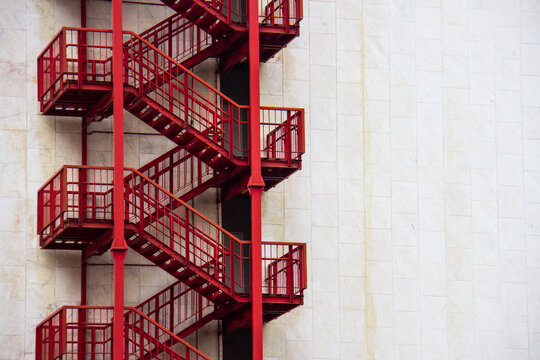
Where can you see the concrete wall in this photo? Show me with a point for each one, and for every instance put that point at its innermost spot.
(420, 192)
(419, 198)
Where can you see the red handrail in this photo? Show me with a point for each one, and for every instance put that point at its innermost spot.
(217, 254)
(178, 171)
(75, 331)
(178, 38)
(165, 84)
(271, 12)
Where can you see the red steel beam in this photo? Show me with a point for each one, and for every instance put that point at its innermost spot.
(119, 246)
(256, 183)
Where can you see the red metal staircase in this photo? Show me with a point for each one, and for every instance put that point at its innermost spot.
(75, 212)
(85, 332)
(75, 207)
(169, 98)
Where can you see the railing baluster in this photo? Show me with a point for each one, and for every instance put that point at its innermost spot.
(171, 310)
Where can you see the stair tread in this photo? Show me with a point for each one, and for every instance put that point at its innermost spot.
(184, 138)
(160, 258)
(208, 290)
(195, 281)
(136, 242)
(148, 114)
(160, 122)
(207, 154)
(206, 20)
(219, 162)
(172, 266)
(149, 250)
(219, 297)
(174, 129)
(184, 274)
(182, 5)
(219, 29)
(194, 12)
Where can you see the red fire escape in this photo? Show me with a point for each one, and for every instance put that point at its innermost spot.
(219, 144)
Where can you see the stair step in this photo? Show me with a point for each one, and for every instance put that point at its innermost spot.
(195, 145)
(160, 122)
(148, 115)
(128, 233)
(128, 97)
(136, 106)
(184, 138)
(219, 162)
(195, 281)
(206, 20)
(172, 266)
(182, 5)
(185, 274)
(172, 130)
(209, 290)
(219, 29)
(194, 13)
(149, 250)
(207, 154)
(219, 297)
(160, 258)
(137, 242)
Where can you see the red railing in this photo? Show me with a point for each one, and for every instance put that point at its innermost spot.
(146, 339)
(83, 56)
(74, 193)
(75, 332)
(185, 96)
(75, 58)
(282, 131)
(84, 194)
(176, 307)
(51, 65)
(88, 190)
(280, 12)
(271, 12)
(178, 38)
(214, 251)
(85, 332)
(178, 171)
(284, 268)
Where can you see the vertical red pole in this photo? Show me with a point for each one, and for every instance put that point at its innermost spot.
(256, 183)
(83, 13)
(119, 246)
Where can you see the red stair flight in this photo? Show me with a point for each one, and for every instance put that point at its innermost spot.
(75, 207)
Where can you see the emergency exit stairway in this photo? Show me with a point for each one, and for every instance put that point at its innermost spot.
(209, 129)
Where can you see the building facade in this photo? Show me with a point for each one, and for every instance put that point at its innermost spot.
(418, 198)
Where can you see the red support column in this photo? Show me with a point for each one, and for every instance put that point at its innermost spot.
(256, 183)
(82, 190)
(119, 246)
(83, 13)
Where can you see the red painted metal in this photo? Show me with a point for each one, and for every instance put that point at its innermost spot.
(212, 120)
(179, 308)
(119, 246)
(83, 13)
(283, 264)
(180, 39)
(57, 337)
(178, 171)
(256, 183)
(233, 12)
(82, 72)
(170, 224)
